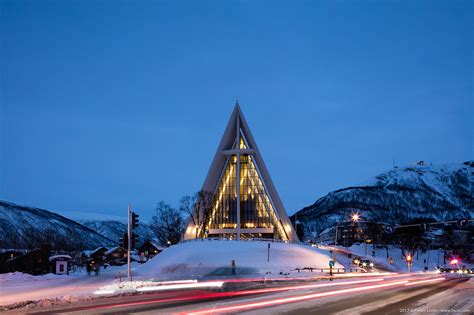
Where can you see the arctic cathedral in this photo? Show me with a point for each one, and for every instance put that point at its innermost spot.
(245, 203)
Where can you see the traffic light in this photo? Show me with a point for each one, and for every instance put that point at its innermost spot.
(134, 220)
(454, 261)
(134, 240)
(123, 241)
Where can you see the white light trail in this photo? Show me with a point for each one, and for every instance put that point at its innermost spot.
(425, 281)
(299, 298)
(213, 284)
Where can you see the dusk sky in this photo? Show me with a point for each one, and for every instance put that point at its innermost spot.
(105, 103)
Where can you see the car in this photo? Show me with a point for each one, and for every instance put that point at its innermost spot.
(366, 264)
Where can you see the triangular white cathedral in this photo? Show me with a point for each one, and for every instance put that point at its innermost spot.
(245, 203)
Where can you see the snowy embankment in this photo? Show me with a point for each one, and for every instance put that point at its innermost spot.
(17, 287)
(214, 258)
(430, 258)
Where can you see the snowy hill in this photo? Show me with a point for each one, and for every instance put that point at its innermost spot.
(28, 227)
(444, 192)
(114, 229)
(214, 257)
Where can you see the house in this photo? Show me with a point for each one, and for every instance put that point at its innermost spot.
(116, 256)
(6, 255)
(36, 262)
(150, 249)
(60, 264)
(96, 255)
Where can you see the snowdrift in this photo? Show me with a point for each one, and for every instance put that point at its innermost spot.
(209, 258)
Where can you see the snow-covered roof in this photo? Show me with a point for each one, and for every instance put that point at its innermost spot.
(51, 258)
(156, 245)
(113, 249)
(89, 252)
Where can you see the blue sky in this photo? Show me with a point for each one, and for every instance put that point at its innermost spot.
(103, 103)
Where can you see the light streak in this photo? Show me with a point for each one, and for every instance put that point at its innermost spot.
(99, 292)
(211, 284)
(425, 281)
(174, 282)
(293, 299)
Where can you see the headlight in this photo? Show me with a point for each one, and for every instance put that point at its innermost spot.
(371, 264)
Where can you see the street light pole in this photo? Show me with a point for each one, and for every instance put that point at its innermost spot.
(128, 247)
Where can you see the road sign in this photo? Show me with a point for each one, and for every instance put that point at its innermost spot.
(463, 223)
(388, 229)
(331, 263)
(425, 226)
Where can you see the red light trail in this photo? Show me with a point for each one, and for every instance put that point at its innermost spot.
(279, 301)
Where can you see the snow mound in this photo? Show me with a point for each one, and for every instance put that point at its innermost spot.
(214, 258)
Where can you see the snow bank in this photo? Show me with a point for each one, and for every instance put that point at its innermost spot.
(430, 258)
(208, 258)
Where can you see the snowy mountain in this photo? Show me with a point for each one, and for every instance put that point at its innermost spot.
(114, 229)
(444, 192)
(28, 227)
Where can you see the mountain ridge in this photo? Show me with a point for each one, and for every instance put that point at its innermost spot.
(29, 227)
(439, 192)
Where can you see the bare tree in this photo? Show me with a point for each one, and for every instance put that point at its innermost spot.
(167, 223)
(198, 208)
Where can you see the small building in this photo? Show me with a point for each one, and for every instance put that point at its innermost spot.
(60, 264)
(348, 233)
(36, 262)
(6, 255)
(116, 256)
(96, 255)
(150, 249)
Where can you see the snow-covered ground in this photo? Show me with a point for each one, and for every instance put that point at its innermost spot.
(431, 258)
(202, 258)
(19, 287)
(188, 261)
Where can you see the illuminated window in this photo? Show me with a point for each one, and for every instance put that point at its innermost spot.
(256, 210)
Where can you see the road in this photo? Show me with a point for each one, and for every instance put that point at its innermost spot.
(393, 294)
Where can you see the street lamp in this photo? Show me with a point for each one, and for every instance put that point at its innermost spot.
(355, 217)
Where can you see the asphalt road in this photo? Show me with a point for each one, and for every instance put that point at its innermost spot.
(389, 295)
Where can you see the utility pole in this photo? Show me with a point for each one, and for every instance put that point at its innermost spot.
(128, 247)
